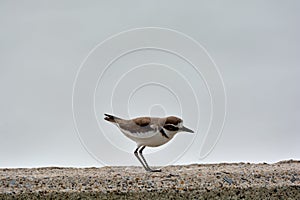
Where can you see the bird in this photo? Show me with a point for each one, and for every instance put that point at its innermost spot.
(148, 132)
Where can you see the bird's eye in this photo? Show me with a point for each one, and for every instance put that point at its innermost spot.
(171, 128)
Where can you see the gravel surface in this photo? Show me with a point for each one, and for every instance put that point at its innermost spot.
(197, 181)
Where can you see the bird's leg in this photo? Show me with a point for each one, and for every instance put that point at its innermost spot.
(149, 169)
(137, 155)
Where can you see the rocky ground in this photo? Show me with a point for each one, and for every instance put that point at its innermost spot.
(197, 181)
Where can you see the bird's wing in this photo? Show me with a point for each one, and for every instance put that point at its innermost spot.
(135, 127)
(143, 126)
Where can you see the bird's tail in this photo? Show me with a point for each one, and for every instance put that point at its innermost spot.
(111, 118)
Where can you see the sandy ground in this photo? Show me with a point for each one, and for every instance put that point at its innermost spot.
(197, 181)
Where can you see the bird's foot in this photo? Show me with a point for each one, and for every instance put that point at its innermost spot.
(154, 170)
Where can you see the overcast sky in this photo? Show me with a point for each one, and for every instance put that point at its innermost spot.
(255, 45)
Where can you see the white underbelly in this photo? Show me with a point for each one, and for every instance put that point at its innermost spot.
(148, 139)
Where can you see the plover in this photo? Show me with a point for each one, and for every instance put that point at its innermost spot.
(148, 131)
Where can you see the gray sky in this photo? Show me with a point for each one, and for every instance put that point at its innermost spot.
(255, 44)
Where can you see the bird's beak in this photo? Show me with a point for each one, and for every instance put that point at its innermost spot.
(185, 129)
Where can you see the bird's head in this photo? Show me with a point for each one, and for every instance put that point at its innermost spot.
(175, 124)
